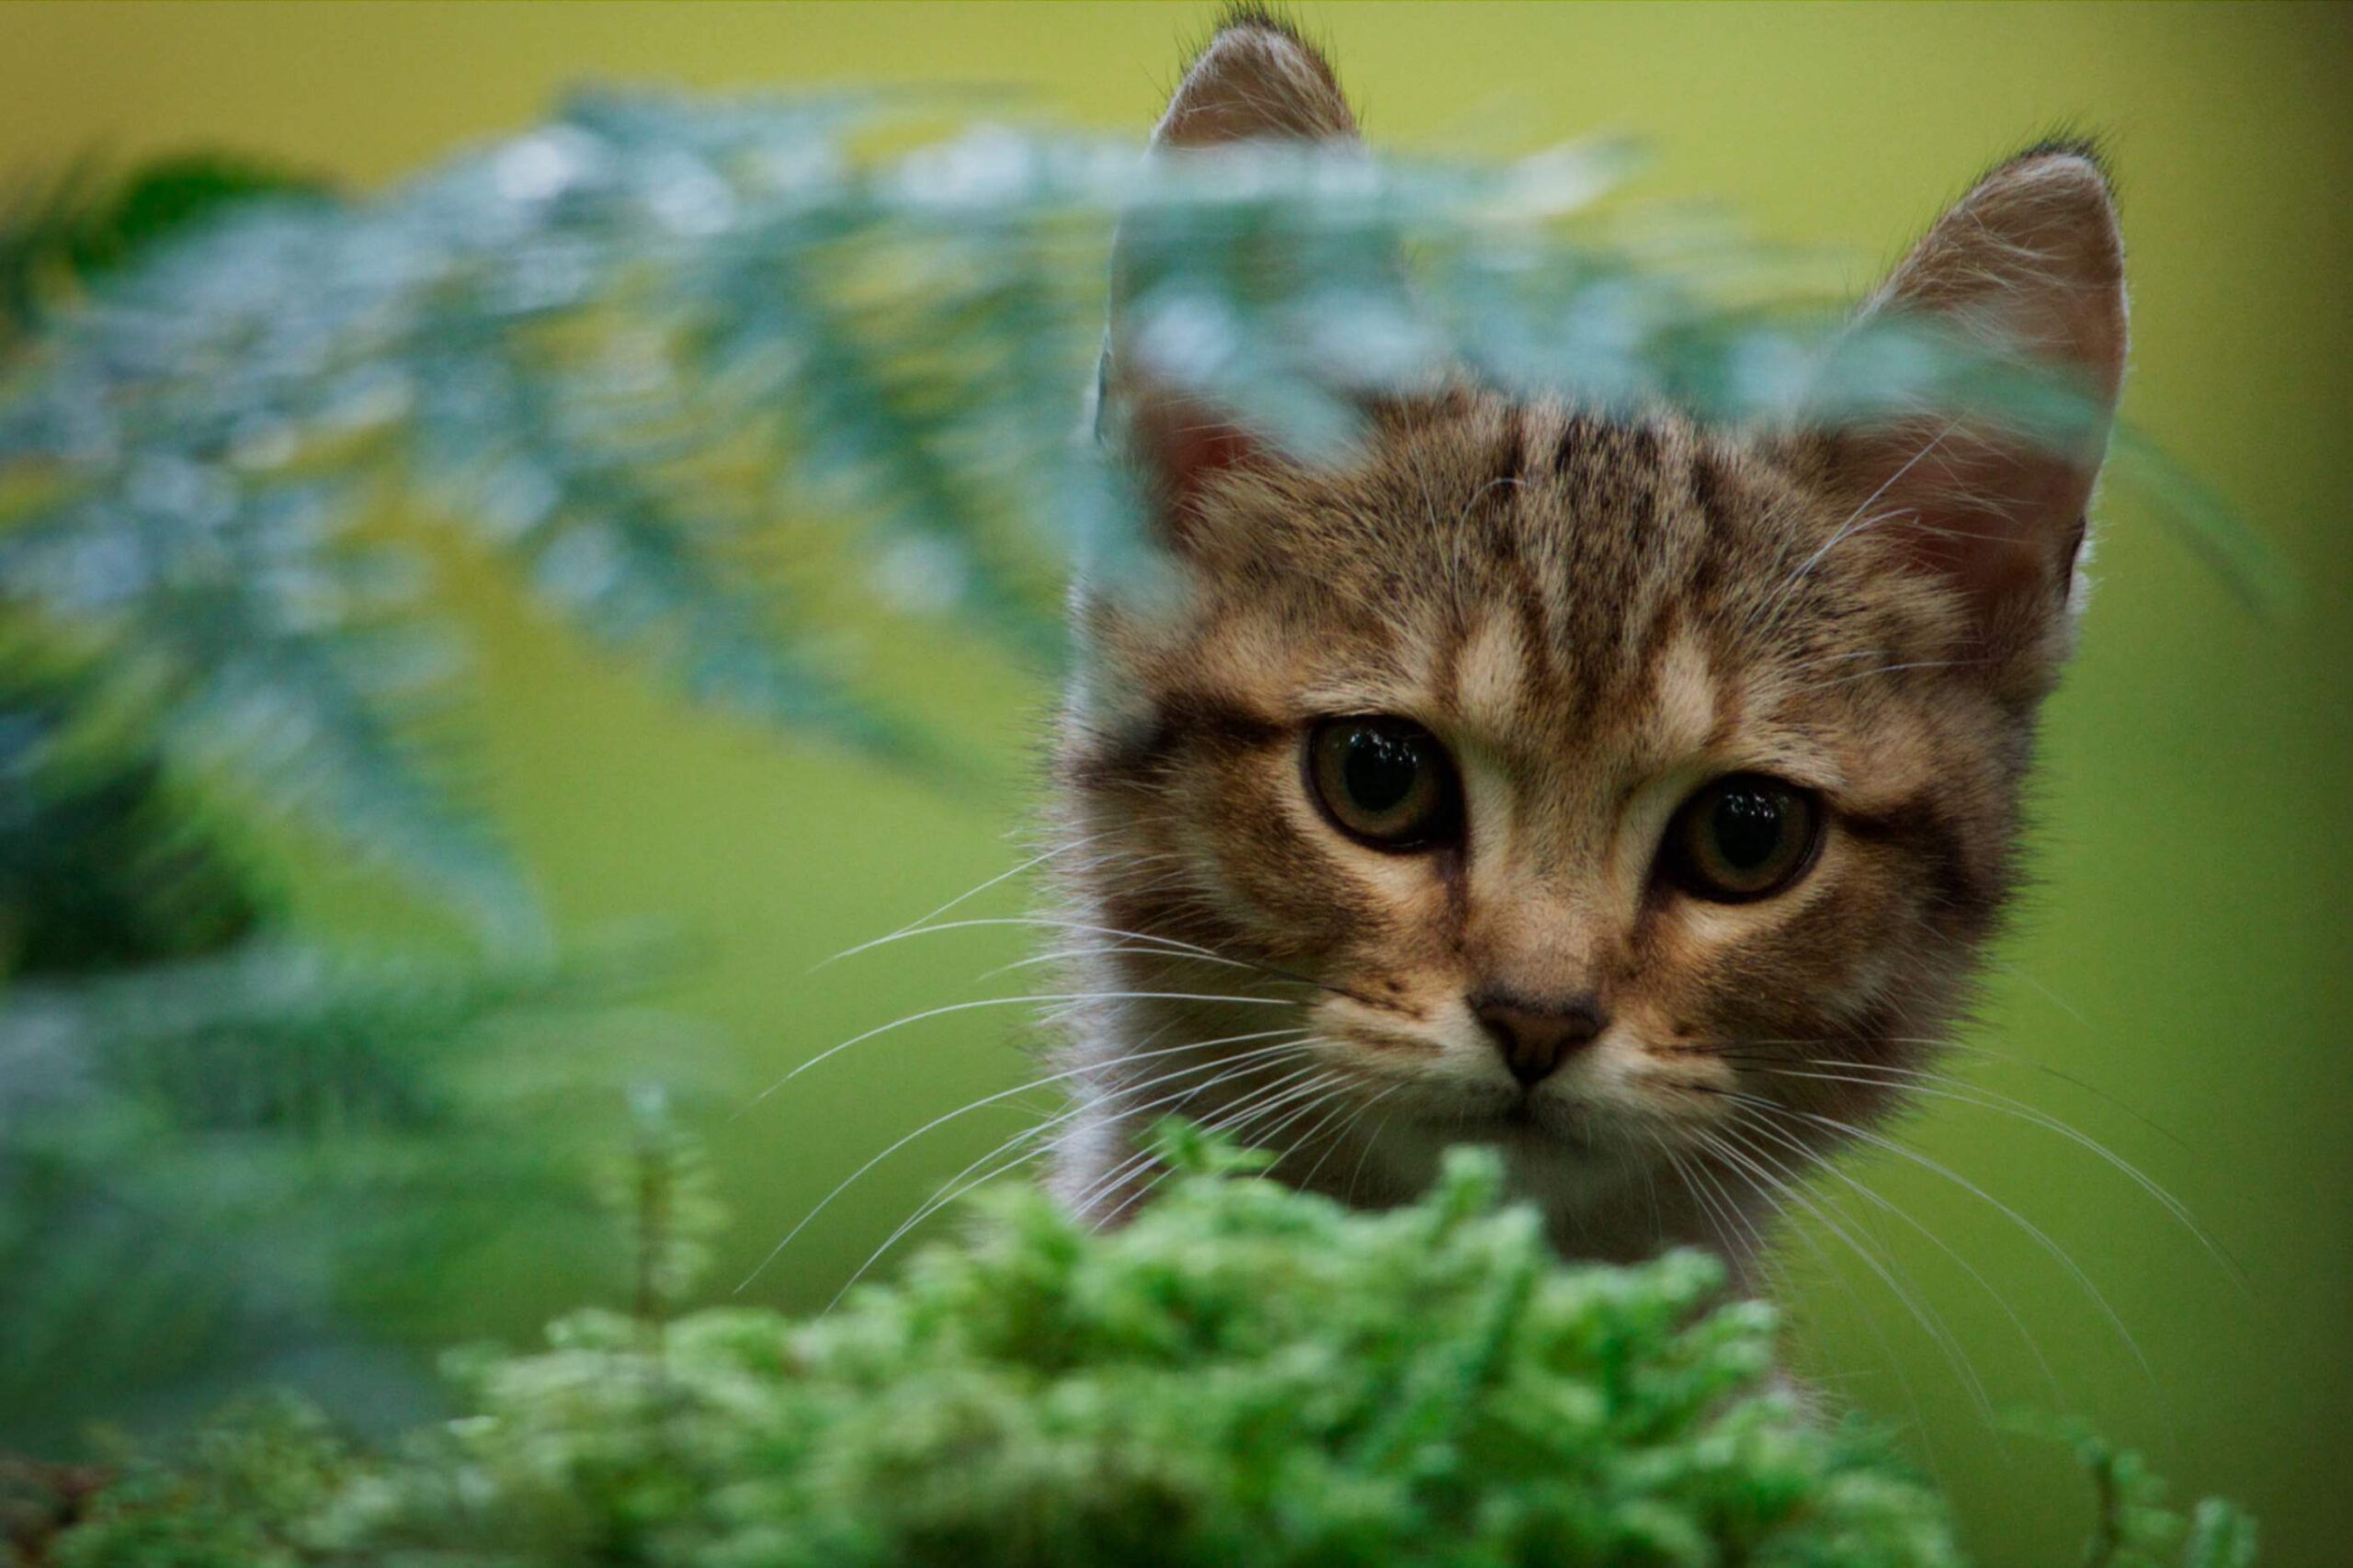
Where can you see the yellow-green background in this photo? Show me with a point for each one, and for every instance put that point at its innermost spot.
(2187, 952)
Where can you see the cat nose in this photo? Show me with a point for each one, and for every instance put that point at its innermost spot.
(1536, 1038)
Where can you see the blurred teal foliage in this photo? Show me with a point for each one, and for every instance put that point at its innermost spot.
(63, 234)
(615, 351)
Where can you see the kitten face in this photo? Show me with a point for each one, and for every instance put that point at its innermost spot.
(1630, 796)
(1594, 624)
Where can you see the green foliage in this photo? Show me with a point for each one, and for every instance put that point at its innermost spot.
(614, 350)
(1245, 1374)
(225, 1152)
(664, 1190)
(61, 234)
(2134, 1527)
(612, 353)
(230, 1168)
(238, 1498)
(100, 870)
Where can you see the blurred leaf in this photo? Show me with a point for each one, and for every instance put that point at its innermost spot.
(2247, 563)
(74, 226)
(645, 356)
(639, 351)
(99, 869)
(209, 1166)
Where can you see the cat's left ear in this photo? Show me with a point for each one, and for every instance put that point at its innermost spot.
(2029, 268)
(1257, 81)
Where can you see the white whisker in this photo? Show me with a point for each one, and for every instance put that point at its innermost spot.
(1931, 1085)
(2058, 1253)
(1037, 1133)
(1930, 1322)
(963, 1110)
(1887, 1206)
(1062, 997)
(1029, 865)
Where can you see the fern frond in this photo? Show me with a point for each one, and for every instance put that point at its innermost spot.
(622, 347)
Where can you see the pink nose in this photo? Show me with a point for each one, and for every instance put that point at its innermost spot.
(1535, 1040)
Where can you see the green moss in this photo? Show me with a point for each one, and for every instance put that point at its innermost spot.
(1243, 1375)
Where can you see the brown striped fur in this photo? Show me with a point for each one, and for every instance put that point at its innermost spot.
(1596, 617)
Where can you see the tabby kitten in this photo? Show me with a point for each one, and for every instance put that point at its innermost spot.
(1631, 797)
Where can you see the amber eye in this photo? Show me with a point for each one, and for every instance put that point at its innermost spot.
(1385, 782)
(1743, 836)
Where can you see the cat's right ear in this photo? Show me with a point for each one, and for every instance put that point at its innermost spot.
(1256, 81)
(2028, 271)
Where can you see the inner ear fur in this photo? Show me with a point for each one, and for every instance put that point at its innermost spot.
(2027, 268)
(1257, 80)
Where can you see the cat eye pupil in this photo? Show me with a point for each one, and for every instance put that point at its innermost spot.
(1386, 783)
(1748, 827)
(1379, 769)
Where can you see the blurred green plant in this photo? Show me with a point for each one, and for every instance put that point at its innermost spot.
(263, 1165)
(1244, 1375)
(617, 350)
(61, 234)
(227, 1155)
(623, 353)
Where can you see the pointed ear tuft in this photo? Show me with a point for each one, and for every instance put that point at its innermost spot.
(2029, 267)
(2031, 259)
(1257, 80)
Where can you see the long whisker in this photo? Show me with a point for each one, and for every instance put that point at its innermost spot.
(1174, 948)
(1763, 1255)
(1870, 1319)
(2073, 1080)
(1735, 1218)
(2058, 1253)
(1724, 1216)
(2039, 989)
(1010, 1155)
(1760, 1250)
(1342, 1131)
(1708, 1206)
(950, 1007)
(1339, 1112)
(1327, 1100)
(1731, 1049)
(1926, 1317)
(1029, 865)
(1936, 1085)
(1265, 1096)
(977, 923)
(1121, 949)
(1317, 1084)
(2010, 1102)
(1887, 1206)
(1356, 1172)
(963, 1110)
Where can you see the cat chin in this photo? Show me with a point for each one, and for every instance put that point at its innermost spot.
(1564, 1180)
(1552, 1151)
(1571, 1126)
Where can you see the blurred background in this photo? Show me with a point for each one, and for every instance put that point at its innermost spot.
(2176, 988)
